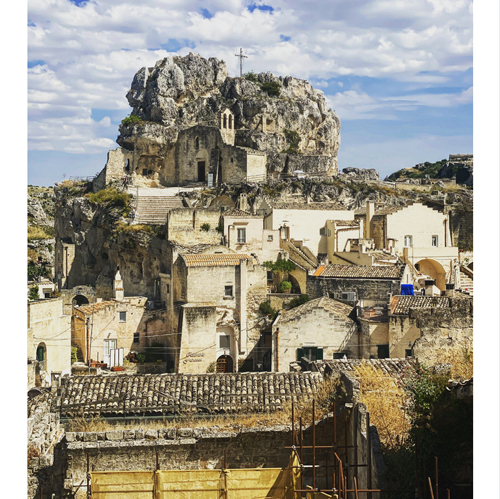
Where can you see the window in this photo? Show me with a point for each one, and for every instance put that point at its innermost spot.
(224, 120)
(408, 241)
(434, 241)
(242, 235)
(225, 341)
(310, 353)
(123, 316)
(109, 345)
(144, 171)
(168, 288)
(270, 275)
(197, 143)
(408, 352)
(322, 231)
(136, 338)
(349, 296)
(228, 291)
(230, 121)
(270, 237)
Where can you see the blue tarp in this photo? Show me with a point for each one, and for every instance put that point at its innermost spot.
(407, 289)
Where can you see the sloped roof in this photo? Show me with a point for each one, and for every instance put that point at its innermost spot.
(400, 305)
(87, 310)
(332, 306)
(235, 212)
(184, 393)
(279, 205)
(215, 260)
(360, 271)
(347, 223)
(386, 210)
(193, 249)
(393, 367)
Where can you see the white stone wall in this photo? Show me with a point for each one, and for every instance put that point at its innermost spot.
(305, 225)
(256, 167)
(421, 223)
(49, 326)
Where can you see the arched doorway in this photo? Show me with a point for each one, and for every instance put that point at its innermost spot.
(80, 300)
(225, 364)
(41, 353)
(434, 270)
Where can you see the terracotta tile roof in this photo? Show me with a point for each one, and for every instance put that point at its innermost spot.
(87, 310)
(215, 260)
(279, 205)
(394, 367)
(184, 393)
(333, 306)
(400, 305)
(347, 223)
(361, 271)
(234, 212)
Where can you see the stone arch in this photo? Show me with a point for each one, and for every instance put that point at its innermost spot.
(434, 270)
(295, 284)
(79, 300)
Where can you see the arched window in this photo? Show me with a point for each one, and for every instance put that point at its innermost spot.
(230, 121)
(197, 143)
(224, 121)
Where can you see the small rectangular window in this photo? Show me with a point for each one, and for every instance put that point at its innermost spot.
(123, 316)
(322, 231)
(242, 235)
(228, 291)
(434, 241)
(270, 275)
(224, 341)
(270, 237)
(144, 171)
(136, 337)
(168, 288)
(408, 352)
(408, 241)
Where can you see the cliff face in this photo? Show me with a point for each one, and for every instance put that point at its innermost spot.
(179, 92)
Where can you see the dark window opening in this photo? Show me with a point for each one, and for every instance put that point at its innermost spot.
(145, 171)
(136, 337)
(123, 316)
(269, 275)
(383, 351)
(228, 291)
(201, 171)
(408, 352)
(224, 121)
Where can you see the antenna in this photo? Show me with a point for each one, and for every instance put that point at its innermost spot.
(241, 56)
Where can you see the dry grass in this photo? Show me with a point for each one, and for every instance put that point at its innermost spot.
(462, 363)
(386, 402)
(35, 232)
(232, 422)
(126, 228)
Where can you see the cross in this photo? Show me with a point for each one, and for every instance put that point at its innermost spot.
(241, 56)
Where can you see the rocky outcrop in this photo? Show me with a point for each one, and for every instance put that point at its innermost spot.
(361, 173)
(179, 92)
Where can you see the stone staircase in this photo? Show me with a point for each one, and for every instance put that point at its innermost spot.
(466, 283)
(153, 205)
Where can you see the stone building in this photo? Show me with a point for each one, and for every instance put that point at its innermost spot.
(200, 154)
(125, 323)
(317, 329)
(303, 222)
(245, 233)
(212, 302)
(372, 285)
(419, 234)
(49, 340)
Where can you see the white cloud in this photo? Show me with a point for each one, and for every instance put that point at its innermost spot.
(92, 52)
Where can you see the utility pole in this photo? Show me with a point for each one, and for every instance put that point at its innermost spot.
(241, 56)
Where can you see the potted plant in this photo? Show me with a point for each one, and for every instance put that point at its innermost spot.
(285, 287)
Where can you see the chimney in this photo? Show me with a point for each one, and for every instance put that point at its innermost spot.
(450, 290)
(429, 284)
(370, 211)
(118, 286)
(243, 202)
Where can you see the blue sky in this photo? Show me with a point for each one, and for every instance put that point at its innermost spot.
(399, 78)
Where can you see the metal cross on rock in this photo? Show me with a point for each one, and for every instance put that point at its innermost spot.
(241, 56)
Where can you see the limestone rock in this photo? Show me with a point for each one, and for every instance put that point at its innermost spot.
(179, 92)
